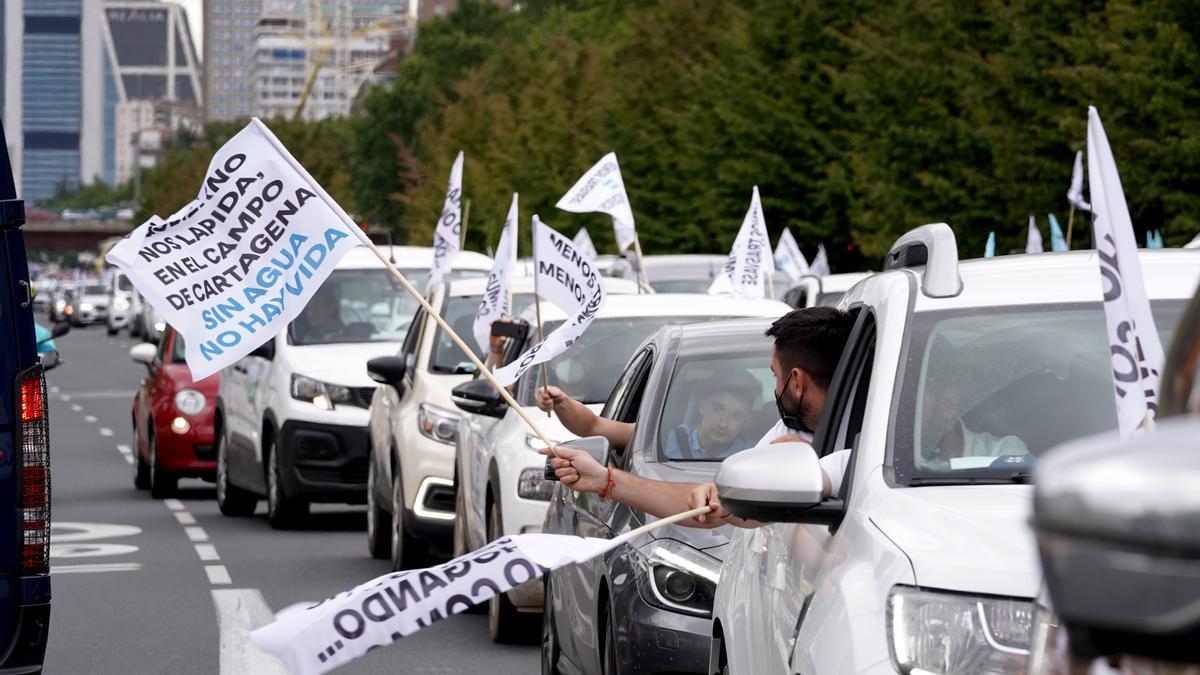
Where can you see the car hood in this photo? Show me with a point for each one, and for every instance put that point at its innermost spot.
(181, 376)
(344, 364)
(714, 542)
(970, 538)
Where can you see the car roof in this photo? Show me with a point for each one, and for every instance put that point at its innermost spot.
(676, 304)
(832, 283)
(524, 284)
(410, 257)
(724, 336)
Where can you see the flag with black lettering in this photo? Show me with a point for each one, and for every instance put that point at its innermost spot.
(234, 266)
(447, 236)
(750, 260)
(566, 278)
(495, 302)
(602, 190)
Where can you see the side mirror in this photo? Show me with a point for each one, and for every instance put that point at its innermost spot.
(478, 397)
(387, 370)
(779, 483)
(143, 353)
(266, 350)
(596, 446)
(49, 360)
(61, 328)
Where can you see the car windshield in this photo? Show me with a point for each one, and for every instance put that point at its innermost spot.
(588, 371)
(95, 290)
(986, 391)
(459, 312)
(357, 306)
(178, 349)
(830, 298)
(124, 284)
(682, 286)
(717, 406)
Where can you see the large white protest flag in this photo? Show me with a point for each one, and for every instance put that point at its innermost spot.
(749, 260)
(1137, 352)
(788, 256)
(234, 266)
(583, 243)
(1075, 192)
(602, 190)
(1033, 240)
(564, 277)
(820, 264)
(448, 233)
(495, 302)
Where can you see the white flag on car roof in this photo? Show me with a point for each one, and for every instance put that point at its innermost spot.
(749, 262)
(788, 256)
(565, 277)
(234, 266)
(1033, 241)
(820, 264)
(583, 242)
(602, 190)
(1075, 192)
(447, 235)
(495, 302)
(1137, 352)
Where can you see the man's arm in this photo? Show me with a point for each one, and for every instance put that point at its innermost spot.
(581, 421)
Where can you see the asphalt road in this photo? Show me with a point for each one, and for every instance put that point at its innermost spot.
(145, 585)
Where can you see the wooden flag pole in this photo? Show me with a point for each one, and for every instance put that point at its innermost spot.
(643, 278)
(537, 309)
(1070, 225)
(771, 285)
(663, 522)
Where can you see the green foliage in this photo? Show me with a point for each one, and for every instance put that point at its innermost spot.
(98, 195)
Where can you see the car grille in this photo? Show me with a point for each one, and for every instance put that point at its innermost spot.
(360, 397)
(351, 473)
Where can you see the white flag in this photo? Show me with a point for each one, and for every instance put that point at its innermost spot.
(448, 233)
(820, 264)
(602, 190)
(564, 277)
(583, 243)
(495, 301)
(749, 260)
(233, 267)
(788, 256)
(1033, 241)
(320, 637)
(1137, 352)
(1075, 192)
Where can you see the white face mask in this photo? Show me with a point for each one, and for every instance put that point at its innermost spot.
(568, 372)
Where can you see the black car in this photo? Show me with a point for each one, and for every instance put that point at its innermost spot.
(698, 393)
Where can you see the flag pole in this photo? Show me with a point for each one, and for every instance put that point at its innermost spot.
(462, 230)
(663, 522)
(537, 309)
(1070, 224)
(643, 279)
(436, 316)
(770, 285)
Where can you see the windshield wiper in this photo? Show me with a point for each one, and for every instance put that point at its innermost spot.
(1018, 477)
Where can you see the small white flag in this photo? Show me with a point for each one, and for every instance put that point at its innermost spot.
(788, 256)
(820, 264)
(448, 233)
(749, 260)
(495, 301)
(565, 277)
(1137, 352)
(583, 242)
(602, 190)
(1075, 192)
(1033, 241)
(233, 267)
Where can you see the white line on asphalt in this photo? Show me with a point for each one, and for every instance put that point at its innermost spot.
(54, 389)
(239, 611)
(217, 574)
(64, 397)
(90, 419)
(173, 504)
(196, 533)
(185, 518)
(95, 567)
(75, 407)
(128, 459)
(100, 394)
(207, 552)
(105, 431)
(123, 345)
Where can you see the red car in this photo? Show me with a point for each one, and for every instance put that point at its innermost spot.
(172, 419)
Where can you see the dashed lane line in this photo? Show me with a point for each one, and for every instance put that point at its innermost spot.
(185, 518)
(90, 419)
(207, 552)
(173, 504)
(75, 407)
(239, 611)
(196, 534)
(217, 575)
(96, 395)
(106, 432)
(126, 452)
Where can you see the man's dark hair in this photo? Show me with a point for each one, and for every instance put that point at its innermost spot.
(812, 339)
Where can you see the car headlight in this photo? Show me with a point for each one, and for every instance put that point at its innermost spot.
(160, 326)
(321, 394)
(437, 423)
(120, 304)
(676, 577)
(85, 306)
(533, 485)
(59, 305)
(189, 402)
(937, 632)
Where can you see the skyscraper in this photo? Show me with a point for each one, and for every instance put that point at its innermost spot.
(229, 58)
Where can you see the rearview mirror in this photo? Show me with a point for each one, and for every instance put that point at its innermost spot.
(478, 397)
(61, 328)
(387, 370)
(143, 353)
(778, 483)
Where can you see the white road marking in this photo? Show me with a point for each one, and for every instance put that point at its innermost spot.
(173, 504)
(88, 531)
(128, 459)
(217, 574)
(95, 567)
(65, 398)
(123, 345)
(99, 394)
(75, 407)
(185, 518)
(54, 389)
(196, 533)
(90, 419)
(207, 552)
(239, 611)
(89, 550)
(106, 432)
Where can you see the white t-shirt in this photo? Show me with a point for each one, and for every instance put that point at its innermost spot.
(833, 464)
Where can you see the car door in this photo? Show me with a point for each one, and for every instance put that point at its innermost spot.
(383, 420)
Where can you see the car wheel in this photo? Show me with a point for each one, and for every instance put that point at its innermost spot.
(232, 500)
(111, 331)
(550, 650)
(162, 484)
(505, 624)
(408, 552)
(610, 647)
(282, 511)
(141, 470)
(379, 521)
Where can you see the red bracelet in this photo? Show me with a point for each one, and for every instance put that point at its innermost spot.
(609, 486)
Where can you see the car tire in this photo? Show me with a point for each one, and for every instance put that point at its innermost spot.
(162, 484)
(232, 500)
(550, 650)
(379, 521)
(141, 469)
(408, 552)
(110, 330)
(608, 664)
(283, 512)
(505, 624)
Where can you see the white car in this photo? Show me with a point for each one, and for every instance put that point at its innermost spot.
(291, 417)
(121, 302)
(955, 379)
(811, 291)
(413, 424)
(501, 485)
(90, 304)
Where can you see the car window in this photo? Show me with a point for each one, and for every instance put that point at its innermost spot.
(178, 349)
(124, 284)
(717, 406)
(459, 312)
(829, 298)
(356, 306)
(681, 286)
(624, 382)
(161, 355)
(991, 389)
